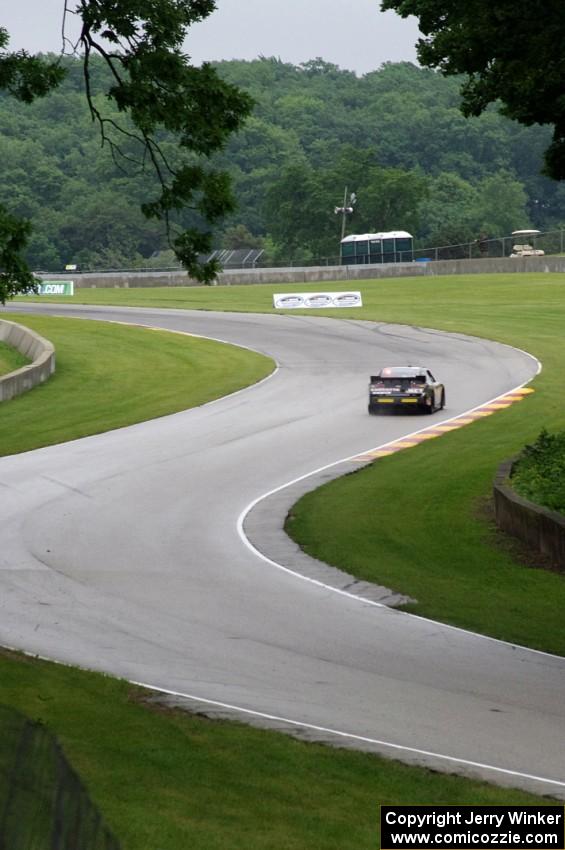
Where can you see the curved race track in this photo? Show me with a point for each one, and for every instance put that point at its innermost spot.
(121, 553)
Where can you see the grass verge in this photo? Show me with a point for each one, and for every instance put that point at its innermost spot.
(10, 359)
(415, 521)
(168, 780)
(110, 375)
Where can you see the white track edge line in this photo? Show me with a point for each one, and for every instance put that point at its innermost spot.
(241, 518)
(252, 504)
(337, 590)
(301, 724)
(352, 736)
(197, 336)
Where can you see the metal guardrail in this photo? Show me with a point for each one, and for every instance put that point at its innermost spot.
(43, 803)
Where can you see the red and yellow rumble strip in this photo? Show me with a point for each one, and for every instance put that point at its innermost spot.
(451, 425)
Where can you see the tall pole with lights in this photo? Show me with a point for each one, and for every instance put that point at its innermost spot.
(346, 209)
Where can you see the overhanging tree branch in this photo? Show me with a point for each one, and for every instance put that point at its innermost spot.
(156, 88)
(160, 95)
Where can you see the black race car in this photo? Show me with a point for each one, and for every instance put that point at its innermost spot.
(407, 387)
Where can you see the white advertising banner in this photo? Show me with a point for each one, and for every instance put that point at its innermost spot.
(308, 300)
(55, 287)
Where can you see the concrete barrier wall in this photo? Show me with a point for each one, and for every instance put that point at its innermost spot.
(538, 527)
(318, 274)
(39, 350)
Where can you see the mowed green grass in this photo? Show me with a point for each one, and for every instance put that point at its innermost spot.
(10, 359)
(109, 375)
(168, 780)
(416, 521)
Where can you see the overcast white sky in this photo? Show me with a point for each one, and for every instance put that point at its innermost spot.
(353, 34)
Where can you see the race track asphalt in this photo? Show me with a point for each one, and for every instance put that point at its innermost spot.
(122, 553)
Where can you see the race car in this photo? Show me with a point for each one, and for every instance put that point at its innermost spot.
(407, 387)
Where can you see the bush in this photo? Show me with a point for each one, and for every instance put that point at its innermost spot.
(539, 473)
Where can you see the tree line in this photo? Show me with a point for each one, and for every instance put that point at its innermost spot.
(395, 137)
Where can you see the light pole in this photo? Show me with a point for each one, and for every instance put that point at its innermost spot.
(346, 209)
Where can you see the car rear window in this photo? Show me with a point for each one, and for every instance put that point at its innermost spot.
(403, 383)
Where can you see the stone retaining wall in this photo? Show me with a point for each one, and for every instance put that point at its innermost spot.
(538, 527)
(30, 344)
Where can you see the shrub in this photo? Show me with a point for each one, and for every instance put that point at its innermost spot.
(539, 473)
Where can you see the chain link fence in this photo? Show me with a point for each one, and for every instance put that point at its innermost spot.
(530, 243)
(43, 803)
(549, 242)
(544, 242)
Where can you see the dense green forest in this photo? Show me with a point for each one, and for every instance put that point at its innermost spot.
(395, 137)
